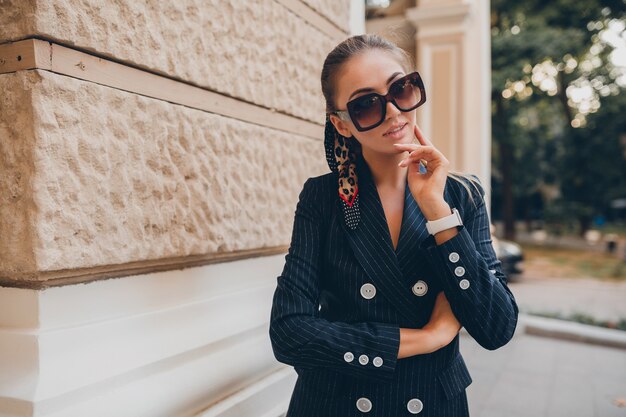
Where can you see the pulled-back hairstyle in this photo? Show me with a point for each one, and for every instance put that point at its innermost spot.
(349, 48)
(344, 162)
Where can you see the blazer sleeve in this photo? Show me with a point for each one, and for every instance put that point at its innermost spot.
(472, 276)
(299, 336)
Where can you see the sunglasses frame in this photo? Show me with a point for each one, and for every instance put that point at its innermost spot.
(348, 114)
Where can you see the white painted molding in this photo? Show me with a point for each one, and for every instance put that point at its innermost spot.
(261, 399)
(57, 307)
(175, 387)
(477, 99)
(101, 345)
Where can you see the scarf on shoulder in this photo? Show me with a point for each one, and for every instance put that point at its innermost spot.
(342, 155)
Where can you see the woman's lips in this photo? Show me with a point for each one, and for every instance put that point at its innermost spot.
(397, 133)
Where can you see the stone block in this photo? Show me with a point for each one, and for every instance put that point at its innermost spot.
(258, 51)
(109, 177)
(16, 172)
(338, 12)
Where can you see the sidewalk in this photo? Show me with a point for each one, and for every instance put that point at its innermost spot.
(539, 372)
(602, 300)
(545, 377)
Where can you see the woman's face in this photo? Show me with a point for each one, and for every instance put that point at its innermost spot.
(373, 71)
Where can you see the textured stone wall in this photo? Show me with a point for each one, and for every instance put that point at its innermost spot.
(16, 172)
(116, 177)
(337, 11)
(99, 181)
(258, 50)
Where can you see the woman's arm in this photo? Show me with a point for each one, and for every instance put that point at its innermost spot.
(440, 330)
(299, 336)
(464, 261)
(472, 278)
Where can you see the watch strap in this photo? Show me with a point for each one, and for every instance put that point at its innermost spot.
(436, 226)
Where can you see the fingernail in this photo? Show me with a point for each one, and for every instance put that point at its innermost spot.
(402, 163)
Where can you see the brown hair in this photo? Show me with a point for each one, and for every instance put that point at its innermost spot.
(349, 48)
(336, 58)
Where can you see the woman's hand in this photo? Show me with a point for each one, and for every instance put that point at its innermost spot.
(443, 325)
(437, 333)
(427, 189)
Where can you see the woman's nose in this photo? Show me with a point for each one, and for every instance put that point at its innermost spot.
(392, 111)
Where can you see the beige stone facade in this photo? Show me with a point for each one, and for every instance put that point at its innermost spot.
(100, 177)
(107, 178)
(259, 51)
(162, 144)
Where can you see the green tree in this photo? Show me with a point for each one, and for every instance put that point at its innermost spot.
(542, 55)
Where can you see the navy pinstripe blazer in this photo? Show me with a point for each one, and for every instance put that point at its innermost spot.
(343, 342)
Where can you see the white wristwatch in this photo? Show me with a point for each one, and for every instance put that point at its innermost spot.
(436, 226)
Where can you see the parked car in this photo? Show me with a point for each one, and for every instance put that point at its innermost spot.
(510, 254)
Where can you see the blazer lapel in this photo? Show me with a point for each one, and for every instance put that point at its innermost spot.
(412, 233)
(373, 248)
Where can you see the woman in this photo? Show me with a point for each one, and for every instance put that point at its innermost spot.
(379, 246)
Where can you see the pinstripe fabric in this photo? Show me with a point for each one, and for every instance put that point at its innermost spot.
(319, 315)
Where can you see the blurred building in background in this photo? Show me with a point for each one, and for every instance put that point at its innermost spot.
(450, 41)
(151, 156)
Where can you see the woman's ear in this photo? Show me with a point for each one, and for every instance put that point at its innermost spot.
(341, 126)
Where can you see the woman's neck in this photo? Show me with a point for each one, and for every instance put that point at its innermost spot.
(385, 170)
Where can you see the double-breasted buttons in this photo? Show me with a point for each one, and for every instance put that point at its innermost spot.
(378, 361)
(368, 291)
(454, 257)
(420, 288)
(363, 359)
(459, 271)
(414, 406)
(348, 357)
(464, 284)
(364, 405)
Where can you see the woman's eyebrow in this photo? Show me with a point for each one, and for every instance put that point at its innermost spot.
(367, 89)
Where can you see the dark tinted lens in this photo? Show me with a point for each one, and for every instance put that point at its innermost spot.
(406, 93)
(366, 110)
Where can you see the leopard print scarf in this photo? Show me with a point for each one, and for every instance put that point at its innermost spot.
(342, 155)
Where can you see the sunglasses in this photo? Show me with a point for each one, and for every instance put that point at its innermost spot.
(368, 111)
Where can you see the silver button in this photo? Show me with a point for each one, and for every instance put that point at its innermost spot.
(368, 291)
(363, 359)
(420, 288)
(414, 406)
(454, 257)
(348, 357)
(378, 361)
(459, 271)
(364, 405)
(464, 284)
